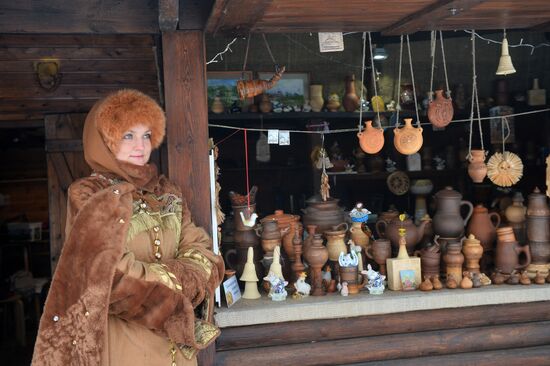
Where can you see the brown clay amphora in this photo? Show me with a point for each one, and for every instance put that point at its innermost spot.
(316, 256)
(413, 233)
(453, 258)
(371, 139)
(408, 140)
(484, 226)
(440, 110)
(350, 100)
(508, 252)
(473, 251)
(477, 169)
(336, 241)
(447, 221)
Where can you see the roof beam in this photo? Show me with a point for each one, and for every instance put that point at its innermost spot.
(429, 17)
(168, 15)
(236, 16)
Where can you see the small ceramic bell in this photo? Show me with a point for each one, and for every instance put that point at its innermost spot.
(371, 139)
(505, 65)
(250, 278)
(440, 110)
(408, 139)
(466, 282)
(451, 282)
(276, 267)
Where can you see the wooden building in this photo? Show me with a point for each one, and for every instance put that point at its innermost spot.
(57, 58)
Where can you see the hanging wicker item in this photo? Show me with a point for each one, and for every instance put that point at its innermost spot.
(371, 139)
(251, 88)
(408, 140)
(440, 110)
(504, 169)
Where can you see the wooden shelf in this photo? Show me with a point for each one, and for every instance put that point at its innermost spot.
(383, 175)
(296, 115)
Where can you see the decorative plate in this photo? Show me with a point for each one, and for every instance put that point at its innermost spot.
(398, 183)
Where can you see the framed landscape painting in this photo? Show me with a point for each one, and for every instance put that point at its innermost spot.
(292, 89)
(223, 84)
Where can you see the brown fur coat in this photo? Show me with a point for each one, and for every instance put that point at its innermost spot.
(86, 287)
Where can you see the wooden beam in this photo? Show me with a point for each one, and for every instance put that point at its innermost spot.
(236, 16)
(429, 17)
(168, 15)
(63, 145)
(194, 14)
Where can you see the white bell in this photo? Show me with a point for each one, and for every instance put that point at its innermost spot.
(505, 66)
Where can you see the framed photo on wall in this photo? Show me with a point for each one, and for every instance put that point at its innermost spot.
(223, 84)
(292, 89)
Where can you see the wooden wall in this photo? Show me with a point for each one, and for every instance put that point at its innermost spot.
(91, 67)
(516, 334)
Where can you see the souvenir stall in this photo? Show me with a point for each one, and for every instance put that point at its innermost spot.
(374, 174)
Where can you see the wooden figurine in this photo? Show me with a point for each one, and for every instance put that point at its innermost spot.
(251, 88)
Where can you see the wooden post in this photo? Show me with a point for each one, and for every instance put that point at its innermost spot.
(187, 119)
(187, 129)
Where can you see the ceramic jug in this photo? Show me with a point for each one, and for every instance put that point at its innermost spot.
(413, 233)
(447, 221)
(381, 250)
(371, 139)
(484, 226)
(408, 139)
(351, 100)
(508, 252)
(358, 235)
(316, 97)
(440, 110)
(336, 241)
(477, 169)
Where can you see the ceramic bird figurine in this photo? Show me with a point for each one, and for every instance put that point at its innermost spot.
(476, 280)
(251, 221)
(302, 288)
(344, 291)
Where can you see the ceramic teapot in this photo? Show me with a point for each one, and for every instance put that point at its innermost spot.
(408, 139)
(447, 221)
(371, 139)
(413, 233)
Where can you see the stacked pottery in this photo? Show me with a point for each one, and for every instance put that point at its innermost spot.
(323, 214)
(453, 258)
(515, 214)
(473, 251)
(430, 257)
(413, 233)
(508, 252)
(538, 232)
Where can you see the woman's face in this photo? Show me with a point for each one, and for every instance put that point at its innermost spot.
(135, 147)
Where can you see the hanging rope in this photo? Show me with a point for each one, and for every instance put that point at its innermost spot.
(246, 53)
(246, 169)
(270, 53)
(448, 92)
(475, 101)
(412, 79)
(433, 41)
(504, 121)
(373, 70)
(399, 83)
(360, 125)
(433, 44)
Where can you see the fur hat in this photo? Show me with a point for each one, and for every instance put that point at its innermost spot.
(122, 110)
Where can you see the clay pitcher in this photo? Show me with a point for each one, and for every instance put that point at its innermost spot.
(440, 110)
(484, 226)
(371, 139)
(477, 169)
(447, 221)
(473, 251)
(350, 100)
(413, 233)
(270, 235)
(381, 250)
(336, 242)
(453, 258)
(508, 252)
(430, 258)
(408, 140)
(316, 256)
(358, 235)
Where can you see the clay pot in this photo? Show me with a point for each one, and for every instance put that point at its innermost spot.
(408, 139)
(349, 275)
(316, 256)
(506, 234)
(466, 282)
(440, 110)
(358, 235)
(447, 221)
(508, 252)
(483, 225)
(288, 238)
(316, 97)
(268, 230)
(323, 214)
(453, 258)
(473, 251)
(336, 241)
(413, 234)
(371, 139)
(538, 227)
(515, 213)
(351, 100)
(430, 258)
(477, 169)
(265, 104)
(381, 250)
(540, 252)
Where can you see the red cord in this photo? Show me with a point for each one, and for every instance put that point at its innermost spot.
(246, 163)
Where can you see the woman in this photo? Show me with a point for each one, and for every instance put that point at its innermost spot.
(135, 280)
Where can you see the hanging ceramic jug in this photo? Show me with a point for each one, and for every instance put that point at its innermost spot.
(316, 97)
(477, 170)
(408, 139)
(440, 110)
(351, 100)
(484, 226)
(371, 139)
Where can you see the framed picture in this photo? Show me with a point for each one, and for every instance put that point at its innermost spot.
(223, 84)
(408, 280)
(292, 89)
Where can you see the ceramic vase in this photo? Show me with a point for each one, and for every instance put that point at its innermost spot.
(336, 241)
(316, 97)
(477, 169)
(454, 259)
(408, 139)
(317, 256)
(473, 251)
(350, 100)
(508, 251)
(447, 221)
(379, 252)
(358, 235)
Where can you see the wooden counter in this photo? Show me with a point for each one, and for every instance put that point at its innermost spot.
(492, 325)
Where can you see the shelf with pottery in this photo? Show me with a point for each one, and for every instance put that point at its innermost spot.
(384, 175)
